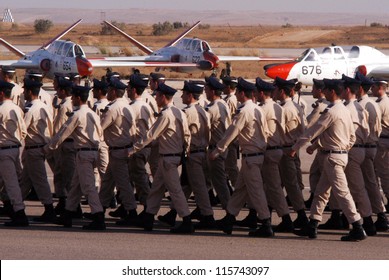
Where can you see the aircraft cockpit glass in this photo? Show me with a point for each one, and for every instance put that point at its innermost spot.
(205, 46)
(196, 46)
(66, 50)
(312, 56)
(354, 52)
(338, 54)
(78, 51)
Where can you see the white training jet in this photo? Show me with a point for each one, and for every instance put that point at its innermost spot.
(331, 62)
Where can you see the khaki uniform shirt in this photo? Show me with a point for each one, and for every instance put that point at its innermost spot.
(39, 123)
(199, 126)
(275, 119)
(100, 105)
(383, 103)
(144, 117)
(118, 123)
(249, 125)
(12, 127)
(17, 95)
(171, 129)
(83, 126)
(65, 106)
(319, 106)
(374, 118)
(232, 103)
(359, 117)
(334, 130)
(294, 125)
(220, 119)
(149, 99)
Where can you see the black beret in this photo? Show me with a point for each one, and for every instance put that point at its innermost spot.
(34, 74)
(263, 86)
(144, 77)
(192, 87)
(214, 83)
(350, 81)
(364, 80)
(318, 83)
(379, 80)
(81, 91)
(333, 83)
(245, 85)
(111, 75)
(6, 85)
(8, 69)
(281, 83)
(136, 81)
(228, 80)
(64, 83)
(165, 89)
(73, 76)
(198, 83)
(116, 83)
(157, 76)
(28, 83)
(97, 84)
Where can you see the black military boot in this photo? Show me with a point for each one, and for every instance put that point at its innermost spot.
(120, 212)
(310, 230)
(286, 224)
(65, 219)
(195, 215)
(356, 233)
(130, 220)
(382, 222)
(308, 202)
(212, 198)
(186, 227)
(226, 224)
(97, 223)
(302, 219)
(60, 207)
(19, 219)
(334, 222)
(78, 213)
(206, 222)
(264, 230)
(7, 210)
(146, 221)
(48, 215)
(369, 226)
(250, 221)
(169, 218)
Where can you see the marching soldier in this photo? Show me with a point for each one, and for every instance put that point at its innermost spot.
(334, 136)
(8, 75)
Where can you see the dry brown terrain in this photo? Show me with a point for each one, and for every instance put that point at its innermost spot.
(246, 40)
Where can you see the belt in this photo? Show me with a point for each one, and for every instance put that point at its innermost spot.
(69, 140)
(9, 147)
(121, 148)
(34, 146)
(384, 136)
(358, 146)
(87, 149)
(197, 151)
(252, 155)
(273, 148)
(333, 152)
(287, 146)
(170, 155)
(370, 146)
(211, 147)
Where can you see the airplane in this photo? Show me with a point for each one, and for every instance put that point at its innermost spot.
(331, 62)
(54, 57)
(191, 54)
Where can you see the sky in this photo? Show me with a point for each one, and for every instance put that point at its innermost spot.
(350, 6)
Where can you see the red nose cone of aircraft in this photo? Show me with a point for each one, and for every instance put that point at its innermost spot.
(212, 58)
(84, 67)
(281, 70)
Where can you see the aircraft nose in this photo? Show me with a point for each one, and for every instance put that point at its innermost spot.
(211, 57)
(281, 70)
(84, 66)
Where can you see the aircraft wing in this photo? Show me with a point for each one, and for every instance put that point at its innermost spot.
(379, 71)
(224, 58)
(124, 63)
(19, 64)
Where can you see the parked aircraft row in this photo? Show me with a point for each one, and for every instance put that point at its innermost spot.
(193, 54)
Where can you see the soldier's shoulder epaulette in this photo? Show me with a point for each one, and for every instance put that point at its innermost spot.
(69, 114)
(327, 109)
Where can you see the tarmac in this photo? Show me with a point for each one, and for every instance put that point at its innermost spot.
(53, 242)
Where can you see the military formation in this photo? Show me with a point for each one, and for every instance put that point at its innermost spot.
(100, 142)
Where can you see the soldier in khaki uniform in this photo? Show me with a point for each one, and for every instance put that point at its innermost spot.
(294, 128)
(84, 127)
(171, 130)
(39, 124)
(334, 134)
(368, 171)
(220, 119)
(319, 106)
(381, 161)
(118, 123)
(8, 75)
(275, 120)
(250, 126)
(12, 132)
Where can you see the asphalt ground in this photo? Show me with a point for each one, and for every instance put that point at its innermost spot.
(53, 242)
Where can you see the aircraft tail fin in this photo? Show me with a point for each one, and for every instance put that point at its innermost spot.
(60, 35)
(12, 48)
(172, 43)
(136, 43)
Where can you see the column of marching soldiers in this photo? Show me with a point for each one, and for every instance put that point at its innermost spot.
(101, 139)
